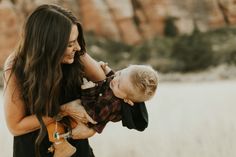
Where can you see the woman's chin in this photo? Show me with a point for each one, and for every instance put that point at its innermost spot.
(69, 61)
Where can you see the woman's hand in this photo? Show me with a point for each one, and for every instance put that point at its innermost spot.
(75, 110)
(82, 131)
(87, 84)
(104, 67)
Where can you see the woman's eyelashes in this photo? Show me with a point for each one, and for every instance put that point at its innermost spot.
(72, 43)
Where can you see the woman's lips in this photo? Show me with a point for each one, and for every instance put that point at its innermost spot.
(72, 56)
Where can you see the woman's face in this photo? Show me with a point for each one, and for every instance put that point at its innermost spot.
(72, 46)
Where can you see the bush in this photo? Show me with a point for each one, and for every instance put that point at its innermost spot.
(193, 52)
(141, 53)
(166, 54)
(106, 50)
(170, 30)
(232, 58)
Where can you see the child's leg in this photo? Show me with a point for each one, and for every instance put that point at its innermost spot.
(62, 148)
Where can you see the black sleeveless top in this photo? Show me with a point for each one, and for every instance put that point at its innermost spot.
(24, 145)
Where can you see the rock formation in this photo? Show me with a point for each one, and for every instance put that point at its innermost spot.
(129, 21)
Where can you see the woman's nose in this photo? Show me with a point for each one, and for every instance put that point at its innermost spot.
(77, 47)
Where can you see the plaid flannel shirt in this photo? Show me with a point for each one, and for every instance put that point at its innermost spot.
(101, 104)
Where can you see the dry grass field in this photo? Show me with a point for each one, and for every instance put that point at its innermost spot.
(193, 119)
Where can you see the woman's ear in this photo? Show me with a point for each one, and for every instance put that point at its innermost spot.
(129, 102)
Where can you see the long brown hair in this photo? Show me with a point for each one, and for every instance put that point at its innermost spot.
(38, 65)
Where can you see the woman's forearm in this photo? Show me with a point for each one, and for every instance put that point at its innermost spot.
(18, 122)
(28, 124)
(92, 69)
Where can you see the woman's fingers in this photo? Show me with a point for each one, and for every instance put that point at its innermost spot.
(76, 111)
(84, 80)
(78, 118)
(87, 85)
(84, 118)
(81, 131)
(90, 119)
(103, 64)
(65, 135)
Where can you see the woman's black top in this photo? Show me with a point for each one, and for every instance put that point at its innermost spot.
(24, 145)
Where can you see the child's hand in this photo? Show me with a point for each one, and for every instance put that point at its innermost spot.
(87, 84)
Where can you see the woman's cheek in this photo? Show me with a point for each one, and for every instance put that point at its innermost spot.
(69, 50)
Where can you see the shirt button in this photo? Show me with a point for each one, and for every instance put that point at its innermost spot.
(100, 94)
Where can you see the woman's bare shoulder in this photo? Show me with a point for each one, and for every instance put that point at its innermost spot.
(9, 62)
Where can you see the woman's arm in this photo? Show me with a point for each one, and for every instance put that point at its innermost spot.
(75, 110)
(93, 70)
(81, 131)
(17, 121)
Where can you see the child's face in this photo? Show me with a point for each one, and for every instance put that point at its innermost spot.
(121, 84)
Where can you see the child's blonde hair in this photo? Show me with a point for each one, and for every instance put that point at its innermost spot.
(145, 80)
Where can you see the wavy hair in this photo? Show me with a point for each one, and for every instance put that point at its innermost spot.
(38, 66)
(144, 80)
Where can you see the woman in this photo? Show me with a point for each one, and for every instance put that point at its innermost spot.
(44, 73)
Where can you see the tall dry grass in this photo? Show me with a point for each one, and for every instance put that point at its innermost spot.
(187, 119)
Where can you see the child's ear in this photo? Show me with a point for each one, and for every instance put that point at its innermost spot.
(129, 102)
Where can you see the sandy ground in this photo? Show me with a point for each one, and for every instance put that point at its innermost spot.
(194, 119)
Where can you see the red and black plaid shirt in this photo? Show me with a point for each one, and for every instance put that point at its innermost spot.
(101, 104)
